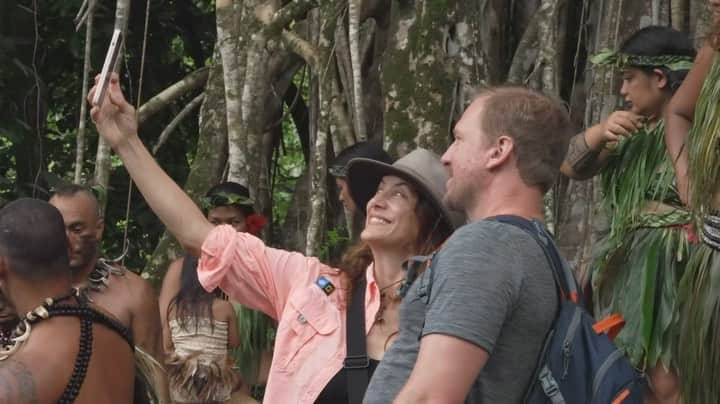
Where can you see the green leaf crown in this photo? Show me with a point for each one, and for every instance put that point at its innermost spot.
(607, 57)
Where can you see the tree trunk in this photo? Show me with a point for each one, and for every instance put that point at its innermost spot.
(326, 79)
(80, 140)
(233, 70)
(437, 53)
(207, 165)
(102, 157)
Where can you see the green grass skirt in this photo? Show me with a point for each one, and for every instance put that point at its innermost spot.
(698, 357)
(639, 278)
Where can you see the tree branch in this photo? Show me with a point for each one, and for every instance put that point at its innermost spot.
(176, 121)
(192, 81)
(303, 48)
(276, 21)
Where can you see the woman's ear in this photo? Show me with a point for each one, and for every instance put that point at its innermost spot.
(661, 78)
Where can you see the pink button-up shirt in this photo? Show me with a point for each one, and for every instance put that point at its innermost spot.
(310, 339)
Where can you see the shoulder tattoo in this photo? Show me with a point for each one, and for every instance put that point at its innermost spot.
(580, 157)
(17, 385)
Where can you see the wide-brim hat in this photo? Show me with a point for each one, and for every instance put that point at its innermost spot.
(421, 168)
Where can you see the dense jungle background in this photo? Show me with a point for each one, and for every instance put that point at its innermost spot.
(265, 92)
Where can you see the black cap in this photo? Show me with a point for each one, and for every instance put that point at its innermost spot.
(366, 150)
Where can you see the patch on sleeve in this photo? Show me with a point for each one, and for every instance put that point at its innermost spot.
(325, 285)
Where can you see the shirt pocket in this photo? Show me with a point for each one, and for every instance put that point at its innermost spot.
(310, 315)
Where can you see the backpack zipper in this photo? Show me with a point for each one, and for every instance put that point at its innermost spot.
(572, 330)
(604, 368)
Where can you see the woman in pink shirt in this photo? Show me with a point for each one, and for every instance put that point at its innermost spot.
(310, 300)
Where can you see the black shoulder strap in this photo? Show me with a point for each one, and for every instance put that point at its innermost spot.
(564, 279)
(356, 362)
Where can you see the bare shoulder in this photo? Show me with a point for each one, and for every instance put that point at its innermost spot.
(134, 284)
(17, 385)
(173, 273)
(223, 309)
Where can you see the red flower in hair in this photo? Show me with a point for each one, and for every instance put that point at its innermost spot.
(255, 224)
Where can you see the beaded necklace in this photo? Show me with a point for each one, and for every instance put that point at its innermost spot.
(87, 315)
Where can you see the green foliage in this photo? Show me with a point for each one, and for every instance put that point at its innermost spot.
(289, 166)
(37, 145)
(335, 240)
(257, 335)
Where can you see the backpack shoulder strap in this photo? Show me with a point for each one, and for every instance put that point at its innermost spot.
(564, 278)
(356, 360)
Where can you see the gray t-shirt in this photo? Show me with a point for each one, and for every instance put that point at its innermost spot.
(491, 285)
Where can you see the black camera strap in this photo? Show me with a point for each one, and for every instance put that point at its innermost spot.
(356, 361)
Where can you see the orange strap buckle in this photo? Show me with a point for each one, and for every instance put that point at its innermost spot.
(611, 325)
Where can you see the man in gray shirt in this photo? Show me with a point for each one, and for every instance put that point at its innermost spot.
(473, 322)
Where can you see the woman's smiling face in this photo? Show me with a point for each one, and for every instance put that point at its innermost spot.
(391, 217)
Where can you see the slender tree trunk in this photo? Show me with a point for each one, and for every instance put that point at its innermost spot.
(326, 79)
(102, 157)
(80, 140)
(356, 63)
(233, 71)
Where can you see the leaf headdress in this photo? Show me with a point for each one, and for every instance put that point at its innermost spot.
(607, 57)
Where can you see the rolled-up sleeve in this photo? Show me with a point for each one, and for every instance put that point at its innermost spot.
(251, 273)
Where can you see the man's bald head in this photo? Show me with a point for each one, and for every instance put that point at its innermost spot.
(32, 240)
(78, 193)
(83, 224)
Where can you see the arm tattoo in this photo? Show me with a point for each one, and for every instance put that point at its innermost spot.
(16, 384)
(580, 157)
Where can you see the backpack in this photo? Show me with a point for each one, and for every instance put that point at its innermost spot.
(578, 364)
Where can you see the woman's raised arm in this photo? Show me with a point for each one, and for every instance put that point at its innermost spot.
(116, 121)
(679, 117)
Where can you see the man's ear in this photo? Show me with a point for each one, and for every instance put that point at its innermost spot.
(661, 78)
(99, 228)
(500, 151)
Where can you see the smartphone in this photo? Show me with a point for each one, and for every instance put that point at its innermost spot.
(108, 67)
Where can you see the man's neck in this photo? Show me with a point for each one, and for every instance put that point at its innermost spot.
(80, 275)
(520, 201)
(29, 295)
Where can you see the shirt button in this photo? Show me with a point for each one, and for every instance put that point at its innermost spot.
(302, 319)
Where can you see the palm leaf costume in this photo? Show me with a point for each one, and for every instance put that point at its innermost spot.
(638, 264)
(699, 348)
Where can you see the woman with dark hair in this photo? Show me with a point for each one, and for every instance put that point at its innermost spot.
(199, 326)
(637, 266)
(202, 326)
(333, 325)
(693, 141)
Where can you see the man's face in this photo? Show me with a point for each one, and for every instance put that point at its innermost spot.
(465, 159)
(344, 195)
(83, 227)
(228, 214)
